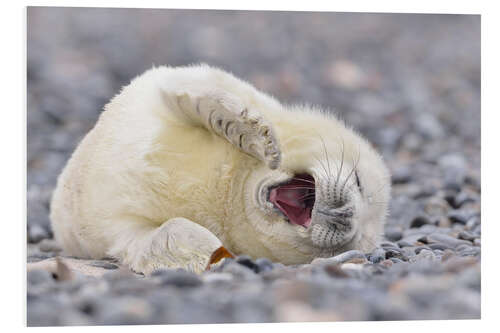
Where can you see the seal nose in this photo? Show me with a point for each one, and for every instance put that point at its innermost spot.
(340, 217)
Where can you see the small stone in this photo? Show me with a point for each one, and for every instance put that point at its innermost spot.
(335, 271)
(471, 251)
(388, 244)
(396, 260)
(36, 233)
(211, 277)
(472, 223)
(418, 249)
(377, 255)
(454, 167)
(439, 246)
(450, 241)
(466, 236)
(247, 262)
(428, 126)
(447, 254)
(426, 254)
(459, 216)
(461, 199)
(477, 241)
(339, 259)
(403, 243)
(264, 265)
(351, 266)
(401, 175)
(393, 234)
(39, 276)
(238, 271)
(393, 252)
(420, 221)
(178, 278)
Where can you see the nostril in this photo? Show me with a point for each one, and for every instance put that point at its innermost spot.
(338, 216)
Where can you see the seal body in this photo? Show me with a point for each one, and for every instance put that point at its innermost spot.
(187, 159)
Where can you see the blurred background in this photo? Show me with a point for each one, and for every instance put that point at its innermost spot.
(409, 82)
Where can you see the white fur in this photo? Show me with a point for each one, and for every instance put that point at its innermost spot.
(148, 176)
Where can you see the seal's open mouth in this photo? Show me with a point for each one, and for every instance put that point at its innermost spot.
(295, 199)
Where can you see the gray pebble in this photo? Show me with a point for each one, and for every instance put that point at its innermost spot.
(460, 216)
(377, 255)
(447, 240)
(404, 243)
(418, 249)
(393, 234)
(39, 276)
(454, 167)
(36, 233)
(339, 259)
(419, 221)
(264, 265)
(471, 251)
(178, 278)
(466, 236)
(247, 262)
(439, 246)
(238, 271)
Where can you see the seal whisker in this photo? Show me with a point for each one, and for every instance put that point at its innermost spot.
(350, 174)
(340, 171)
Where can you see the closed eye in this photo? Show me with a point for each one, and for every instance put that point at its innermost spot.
(358, 181)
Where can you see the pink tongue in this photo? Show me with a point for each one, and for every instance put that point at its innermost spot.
(290, 200)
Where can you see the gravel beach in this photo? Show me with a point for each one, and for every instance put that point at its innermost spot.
(409, 83)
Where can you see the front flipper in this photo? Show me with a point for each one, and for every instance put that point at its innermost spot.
(177, 243)
(228, 117)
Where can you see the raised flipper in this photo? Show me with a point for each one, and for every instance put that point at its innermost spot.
(227, 116)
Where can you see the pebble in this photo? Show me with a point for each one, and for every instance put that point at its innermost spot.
(447, 240)
(264, 265)
(393, 234)
(377, 255)
(178, 278)
(339, 259)
(466, 236)
(247, 262)
(419, 221)
(238, 271)
(454, 167)
(36, 233)
(459, 216)
(38, 276)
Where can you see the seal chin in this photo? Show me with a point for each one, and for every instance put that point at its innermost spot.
(295, 199)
